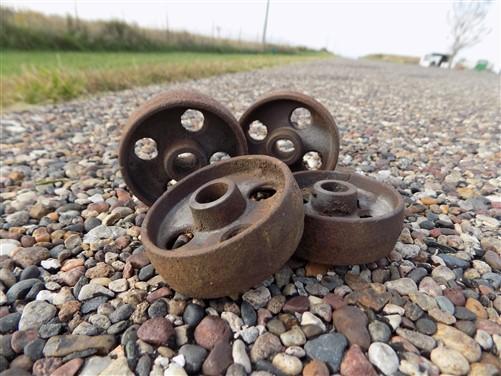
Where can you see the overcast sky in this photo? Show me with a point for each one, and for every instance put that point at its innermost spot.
(351, 28)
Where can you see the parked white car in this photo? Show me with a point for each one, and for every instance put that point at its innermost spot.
(435, 60)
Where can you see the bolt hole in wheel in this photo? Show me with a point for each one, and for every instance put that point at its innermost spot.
(211, 193)
(258, 131)
(192, 120)
(300, 118)
(219, 156)
(178, 240)
(332, 186)
(262, 193)
(312, 160)
(146, 149)
(185, 163)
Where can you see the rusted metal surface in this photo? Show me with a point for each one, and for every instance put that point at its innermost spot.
(349, 218)
(294, 128)
(190, 130)
(225, 227)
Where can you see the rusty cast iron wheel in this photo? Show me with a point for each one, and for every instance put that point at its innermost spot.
(349, 218)
(294, 128)
(172, 135)
(226, 227)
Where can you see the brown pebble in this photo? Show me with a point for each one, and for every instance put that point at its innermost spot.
(156, 331)
(334, 300)
(68, 309)
(21, 338)
(45, 366)
(212, 330)
(298, 304)
(159, 293)
(355, 363)
(218, 359)
(352, 322)
(477, 308)
(316, 368)
(69, 368)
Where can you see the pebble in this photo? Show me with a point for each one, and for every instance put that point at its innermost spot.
(265, 346)
(156, 331)
(421, 341)
(379, 331)
(66, 344)
(30, 256)
(194, 357)
(383, 357)
(458, 341)
(355, 363)
(352, 322)
(293, 337)
(288, 364)
(316, 368)
(218, 360)
(298, 304)
(239, 354)
(257, 298)
(404, 286)
(212, 330)
(450, 361)
(426, 326)
(36, 314)
(328, 348)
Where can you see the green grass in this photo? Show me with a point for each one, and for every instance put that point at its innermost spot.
(39, 76)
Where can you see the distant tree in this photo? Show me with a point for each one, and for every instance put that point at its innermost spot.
(467, 21)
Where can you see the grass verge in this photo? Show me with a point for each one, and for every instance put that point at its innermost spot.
(400, 59)
(43, 77)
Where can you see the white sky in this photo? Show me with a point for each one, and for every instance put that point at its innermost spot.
(350, 28)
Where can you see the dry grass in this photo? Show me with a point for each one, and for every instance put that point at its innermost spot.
(400, 59)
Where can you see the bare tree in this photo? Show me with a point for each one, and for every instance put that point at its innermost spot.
(467, 21)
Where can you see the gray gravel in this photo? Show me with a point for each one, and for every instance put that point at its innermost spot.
(88, 301)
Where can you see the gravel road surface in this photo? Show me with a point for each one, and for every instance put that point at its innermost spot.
(78, 295)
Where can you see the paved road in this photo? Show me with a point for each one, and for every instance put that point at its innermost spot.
(432, 133)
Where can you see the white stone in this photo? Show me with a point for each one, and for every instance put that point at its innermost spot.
(394, 320)
(393, 309)
(288, 364)
(484, 339)
(233, 320)
(175, 370)
(7, 246)
(94, 365)
(179, 360)
(118, 285)
(383, 357)
(450, 361)
(240, 356)
(309, 318)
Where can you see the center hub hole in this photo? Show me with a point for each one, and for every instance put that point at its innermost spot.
(333, 186)
(284, 146)
(211, 193)
(186, 162)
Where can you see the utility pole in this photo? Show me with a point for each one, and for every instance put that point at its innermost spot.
(265, 26)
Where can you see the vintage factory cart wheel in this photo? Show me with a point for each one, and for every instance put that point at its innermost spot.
(349, 218)
(172, 135)
(294, 128)
(225, 227)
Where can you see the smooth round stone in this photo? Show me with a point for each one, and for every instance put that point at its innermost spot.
(34, 349)
(211, 330)
(463, 313)
(36, 314)
(445, 304)
(288, 364)
(31, 271)
(449, 361)
(426, 326)
(9, 322)
(248, 314)
(121, 313)
(193, 314)
(467, 327)
(417, 274)
(157, 309)
(156, 331)
(379, 331)
(383, 357)
(257, 298)
(143, 366)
